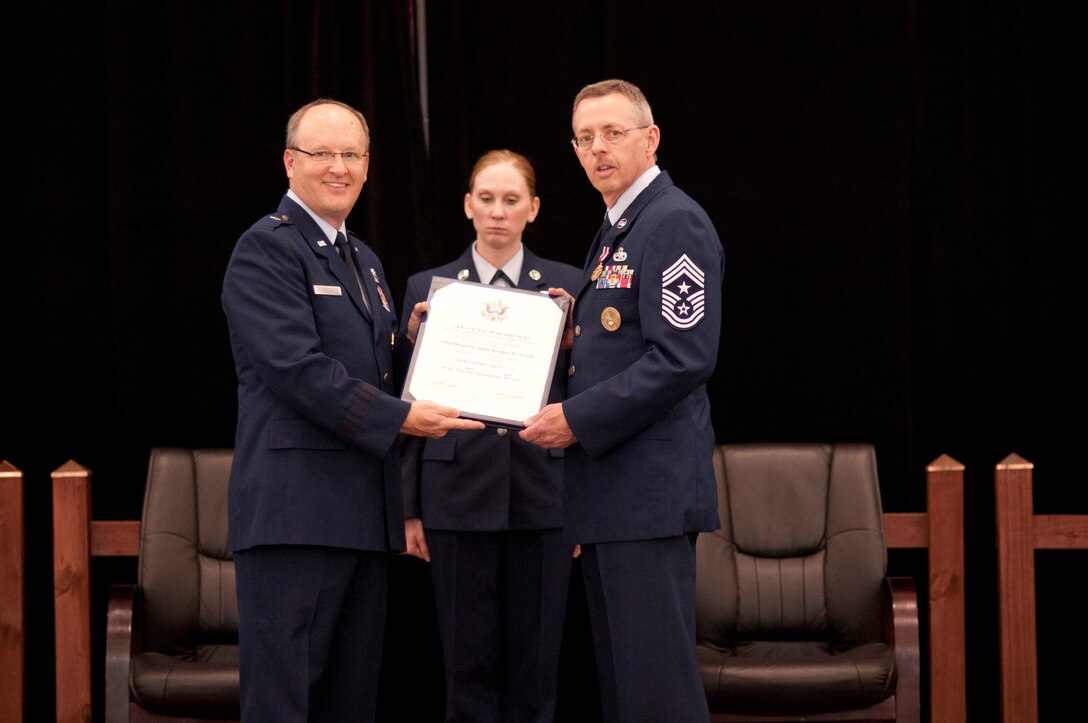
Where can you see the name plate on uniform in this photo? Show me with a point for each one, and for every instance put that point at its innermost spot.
(488, 351)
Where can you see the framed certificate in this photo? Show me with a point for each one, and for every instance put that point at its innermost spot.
(488, 351)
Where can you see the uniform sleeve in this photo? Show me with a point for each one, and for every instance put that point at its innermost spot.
(274, 329)
(679, 301)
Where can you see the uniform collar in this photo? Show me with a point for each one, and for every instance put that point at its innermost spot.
(512, 268)
(640, 184)
(326, 228)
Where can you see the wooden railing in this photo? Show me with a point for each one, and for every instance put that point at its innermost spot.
(1020, 533)
(940, 531)
(12, 585)
(76, 539)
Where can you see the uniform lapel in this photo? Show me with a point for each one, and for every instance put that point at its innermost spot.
(325, 249)
(612, 236)
(368, 280)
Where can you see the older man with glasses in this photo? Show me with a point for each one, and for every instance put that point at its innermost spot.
(638, 478)
(315, 503)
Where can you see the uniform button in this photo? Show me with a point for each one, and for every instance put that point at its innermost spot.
(570, 372)
(501, 431)
(577, 329)
(385, 377)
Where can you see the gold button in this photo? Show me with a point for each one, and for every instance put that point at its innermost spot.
(501, 431)
(577, 329)
(570, 372)
(385, 377)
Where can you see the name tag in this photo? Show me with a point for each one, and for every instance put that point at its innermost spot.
(327, 290)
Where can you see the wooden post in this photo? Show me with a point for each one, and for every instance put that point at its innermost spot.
(12, 584)
(940, 531)
(72, 591)
(947, 599)
(1016, 590)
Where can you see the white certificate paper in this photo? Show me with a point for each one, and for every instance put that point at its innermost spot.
(488, 351)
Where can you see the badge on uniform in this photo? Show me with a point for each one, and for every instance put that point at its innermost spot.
(610, 318)
(682, 293)
(600, 264)
(381, 294)
(616, 277)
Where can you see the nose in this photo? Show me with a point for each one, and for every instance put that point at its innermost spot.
(338, 165)
(598, 145)
(497, 210)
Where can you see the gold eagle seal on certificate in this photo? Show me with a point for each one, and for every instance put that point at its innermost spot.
(494, 310)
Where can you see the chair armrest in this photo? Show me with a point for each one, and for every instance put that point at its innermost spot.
(904, 630)
(119, 647)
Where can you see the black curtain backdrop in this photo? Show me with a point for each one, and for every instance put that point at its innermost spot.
(896, 186)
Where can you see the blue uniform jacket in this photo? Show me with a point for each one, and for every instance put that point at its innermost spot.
(314, 459)
(646, 342)
(489, 480)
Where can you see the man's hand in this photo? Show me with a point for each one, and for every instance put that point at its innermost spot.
(427, 419)
(417, 541)
(548, 428)
(415, 320)
(568, 329)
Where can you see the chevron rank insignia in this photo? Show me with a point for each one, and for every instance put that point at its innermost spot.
(682, 294)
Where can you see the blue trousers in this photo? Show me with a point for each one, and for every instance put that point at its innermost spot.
(310, 628)
(641, 600)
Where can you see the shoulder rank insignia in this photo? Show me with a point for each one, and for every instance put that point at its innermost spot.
(682, 297)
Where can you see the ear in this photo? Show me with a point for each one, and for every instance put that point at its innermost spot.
(653, 139)
(534, 208)
(365, 170)
(289, 162)
(468, 206)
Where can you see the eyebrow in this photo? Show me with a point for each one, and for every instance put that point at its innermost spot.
(489, 192)
(605, 127)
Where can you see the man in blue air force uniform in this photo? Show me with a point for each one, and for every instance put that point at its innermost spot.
(315, 500)
(639, 481)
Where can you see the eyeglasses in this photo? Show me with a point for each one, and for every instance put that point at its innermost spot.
(613, 135)
(326, 158)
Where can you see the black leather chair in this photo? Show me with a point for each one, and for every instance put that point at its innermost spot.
(172, 640)
(795, 619)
